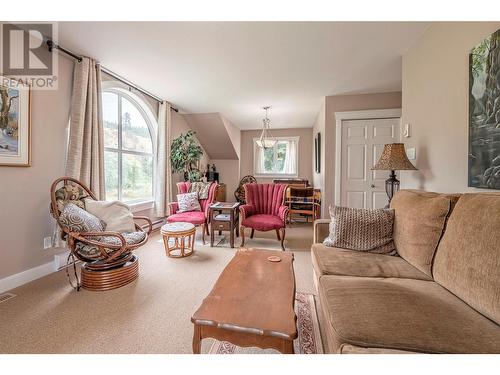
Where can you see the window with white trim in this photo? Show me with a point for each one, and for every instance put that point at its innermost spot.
(281, 160)
(128, 148)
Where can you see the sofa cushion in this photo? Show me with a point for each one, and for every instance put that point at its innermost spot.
(419, 222)
(193, 217)
(403, 314)
(361, 229)
(335, 261)
(263, 222)
(467, 261)
(353, 349)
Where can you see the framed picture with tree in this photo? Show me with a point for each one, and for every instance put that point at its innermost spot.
(15, 123)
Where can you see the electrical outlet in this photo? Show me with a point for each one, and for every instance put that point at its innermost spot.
(411, 153)
(47, 242)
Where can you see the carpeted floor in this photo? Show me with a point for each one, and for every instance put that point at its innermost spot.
(150, 315)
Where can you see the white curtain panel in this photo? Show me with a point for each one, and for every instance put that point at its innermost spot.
(163, 188)
(85, 154)
(290, 166)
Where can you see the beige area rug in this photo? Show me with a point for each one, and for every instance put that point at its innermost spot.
(307, 342)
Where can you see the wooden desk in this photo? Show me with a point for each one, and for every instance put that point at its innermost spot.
(251, 304)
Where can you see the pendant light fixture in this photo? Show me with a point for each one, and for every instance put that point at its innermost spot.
(266, 140)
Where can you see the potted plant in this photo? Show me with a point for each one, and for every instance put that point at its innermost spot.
(185, 153)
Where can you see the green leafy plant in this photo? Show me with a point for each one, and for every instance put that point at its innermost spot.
(185, 154)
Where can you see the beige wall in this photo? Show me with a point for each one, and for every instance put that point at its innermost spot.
(229, 174)
(435, 104)
(342, 103)
(319, 127)
(305, 151)
(24, 192)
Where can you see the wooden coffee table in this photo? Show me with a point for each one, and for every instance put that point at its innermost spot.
(179, 232)
(251, 304)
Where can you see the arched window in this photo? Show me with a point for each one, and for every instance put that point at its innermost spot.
(128, 147)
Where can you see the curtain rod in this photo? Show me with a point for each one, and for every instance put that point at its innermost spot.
(53, 46)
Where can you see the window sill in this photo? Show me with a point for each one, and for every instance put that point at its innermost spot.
(141, 206)
(274, 175)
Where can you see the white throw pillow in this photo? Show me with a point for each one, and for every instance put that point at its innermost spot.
(115, 214)
(188, 202)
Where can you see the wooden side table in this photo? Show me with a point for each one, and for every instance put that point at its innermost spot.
(179, 232)
(224, 216)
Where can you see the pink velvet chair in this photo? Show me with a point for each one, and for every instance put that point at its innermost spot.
(193, 217)
(265, 210)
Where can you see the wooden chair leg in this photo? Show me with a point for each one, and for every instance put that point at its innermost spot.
(242, 232)
(282, 238)
(203, 234)
(252, 233)
(278, 234)
(206, 228)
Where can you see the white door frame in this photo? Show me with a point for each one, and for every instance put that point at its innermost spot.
(355, 115)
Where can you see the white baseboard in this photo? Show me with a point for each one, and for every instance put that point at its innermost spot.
(21, 278)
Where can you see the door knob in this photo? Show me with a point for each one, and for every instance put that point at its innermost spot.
(372, 185)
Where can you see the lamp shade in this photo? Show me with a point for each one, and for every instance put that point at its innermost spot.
(394, 158)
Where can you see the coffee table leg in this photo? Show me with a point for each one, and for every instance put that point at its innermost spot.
(288, 347)
(197, 339)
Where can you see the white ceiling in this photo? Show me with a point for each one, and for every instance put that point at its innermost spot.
(235, 68)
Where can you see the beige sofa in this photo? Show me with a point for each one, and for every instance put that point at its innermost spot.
(440, 295)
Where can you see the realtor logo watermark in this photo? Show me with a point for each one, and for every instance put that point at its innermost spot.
(25, 55)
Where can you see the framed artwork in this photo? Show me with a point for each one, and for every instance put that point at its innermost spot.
(15, 123)
(484, 113)
(317, 153)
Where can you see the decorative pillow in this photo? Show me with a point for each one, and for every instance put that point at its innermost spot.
(76, 219)
(115, 214)
(70, 194)
(188, 202)
(202, 188)
(361, 229)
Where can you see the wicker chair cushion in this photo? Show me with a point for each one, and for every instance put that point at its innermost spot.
(70, 194)
(92, 252)
(76, 219)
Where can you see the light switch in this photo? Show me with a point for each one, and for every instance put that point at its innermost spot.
(411, 153)
(406, 131)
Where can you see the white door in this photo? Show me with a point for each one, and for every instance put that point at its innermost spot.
(362, 145)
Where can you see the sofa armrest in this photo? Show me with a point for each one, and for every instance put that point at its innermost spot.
(174, 207)
(321, 230)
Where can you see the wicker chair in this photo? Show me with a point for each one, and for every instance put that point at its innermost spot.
(108, 259)
(239, 193)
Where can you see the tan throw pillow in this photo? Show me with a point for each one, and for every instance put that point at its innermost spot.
(361, 229)
(115, 214)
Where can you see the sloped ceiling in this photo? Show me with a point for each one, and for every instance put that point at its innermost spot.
(213, 135)
(235, 68)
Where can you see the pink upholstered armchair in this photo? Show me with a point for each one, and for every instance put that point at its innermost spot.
(193, 217)
(265, 210)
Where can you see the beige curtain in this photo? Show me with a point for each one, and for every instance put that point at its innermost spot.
(163, 188)
(85, 157)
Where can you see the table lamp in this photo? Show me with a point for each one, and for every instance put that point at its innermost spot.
(393, 158)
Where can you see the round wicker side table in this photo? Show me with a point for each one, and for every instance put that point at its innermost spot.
(180, 232)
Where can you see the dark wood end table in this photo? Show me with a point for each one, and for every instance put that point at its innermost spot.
(224, 216)
(251, 304)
